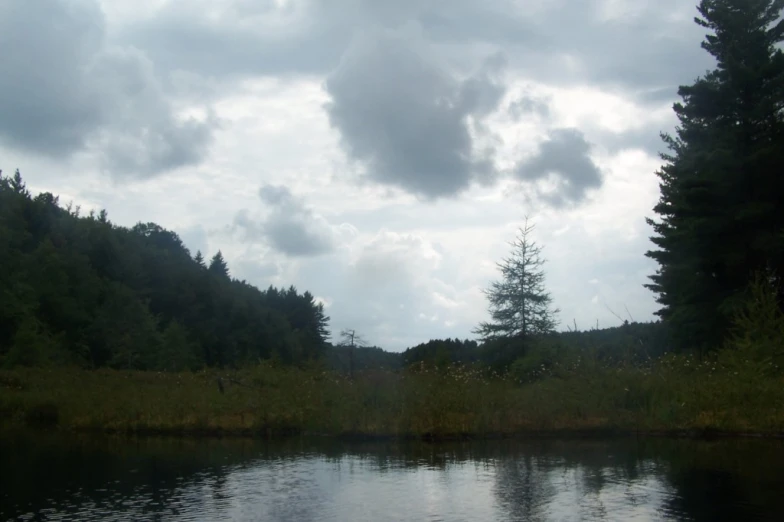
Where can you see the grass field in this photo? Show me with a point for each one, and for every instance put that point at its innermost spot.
(673, 395)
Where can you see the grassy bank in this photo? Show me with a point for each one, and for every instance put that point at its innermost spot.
(675, 394)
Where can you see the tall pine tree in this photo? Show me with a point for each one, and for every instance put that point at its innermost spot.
(720, 216)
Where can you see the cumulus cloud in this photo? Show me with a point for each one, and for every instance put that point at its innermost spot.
(64, 90)
(404, 116)
(564, 161)
(289, 227)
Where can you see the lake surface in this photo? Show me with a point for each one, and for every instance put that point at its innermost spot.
(58, 477)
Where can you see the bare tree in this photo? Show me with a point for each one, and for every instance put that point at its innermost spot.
(519, 303)
(351, 339)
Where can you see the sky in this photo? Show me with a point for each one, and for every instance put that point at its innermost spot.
(379, 153)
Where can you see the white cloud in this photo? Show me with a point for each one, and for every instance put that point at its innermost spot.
(279, 95)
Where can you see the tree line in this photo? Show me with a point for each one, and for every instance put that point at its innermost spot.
(80, 290)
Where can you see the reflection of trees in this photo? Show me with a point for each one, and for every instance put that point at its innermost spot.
(523, 488)
(115, 474)
(725, 480)
(158, 478)
(574, 480)
(703, 494)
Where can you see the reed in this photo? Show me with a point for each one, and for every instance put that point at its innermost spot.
(673, 394)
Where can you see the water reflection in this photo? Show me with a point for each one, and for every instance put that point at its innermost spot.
(54, 477)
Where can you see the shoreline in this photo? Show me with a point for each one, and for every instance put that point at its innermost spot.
(284, 402)
(704, 434)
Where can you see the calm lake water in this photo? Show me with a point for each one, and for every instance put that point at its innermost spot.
(57, 477)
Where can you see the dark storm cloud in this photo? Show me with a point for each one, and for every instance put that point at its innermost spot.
(566, 156)
(289, 227)
(64, 90)
(404, 117)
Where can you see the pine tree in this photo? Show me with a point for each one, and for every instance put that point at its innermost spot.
(199, 258)
(18, 185)
(519, 303)
(720, 220)
(218, 265)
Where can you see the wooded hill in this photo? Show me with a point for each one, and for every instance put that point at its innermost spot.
(81, 290)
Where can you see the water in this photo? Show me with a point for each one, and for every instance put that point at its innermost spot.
(58, 477)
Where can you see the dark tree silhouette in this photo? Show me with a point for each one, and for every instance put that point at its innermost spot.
(720, 212)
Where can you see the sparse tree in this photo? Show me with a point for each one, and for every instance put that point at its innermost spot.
(520, 306)
(351, 339)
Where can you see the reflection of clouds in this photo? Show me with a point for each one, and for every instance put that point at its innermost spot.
(613, 499)
(494, 481)
(525, 488)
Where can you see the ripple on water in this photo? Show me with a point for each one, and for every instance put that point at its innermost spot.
(516, 481)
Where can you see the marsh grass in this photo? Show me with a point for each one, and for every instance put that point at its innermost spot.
(674, 393)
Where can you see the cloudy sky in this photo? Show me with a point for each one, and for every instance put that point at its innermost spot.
(379, 153)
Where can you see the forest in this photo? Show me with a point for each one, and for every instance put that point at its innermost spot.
(81, 291)
(99, 321)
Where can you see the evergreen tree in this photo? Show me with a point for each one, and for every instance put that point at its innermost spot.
(720, 216)
(199, 258)
(218, 265)
(17, 185)
(519, 303)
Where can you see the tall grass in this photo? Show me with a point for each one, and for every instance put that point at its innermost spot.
(673, 393)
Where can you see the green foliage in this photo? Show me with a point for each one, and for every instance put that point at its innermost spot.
(439, 352)
(757, 336)
(32, 345)
(84, 291)
(177, 352)
(540, 361)
(520, 306)
(720, 212)
(338, 358)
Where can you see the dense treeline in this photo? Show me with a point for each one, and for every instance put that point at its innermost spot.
(82, 290)
(441, 352)
(630, 343)
(345, 359)
(720, 218)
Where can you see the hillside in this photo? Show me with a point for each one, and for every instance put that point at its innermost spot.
(81, 290)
